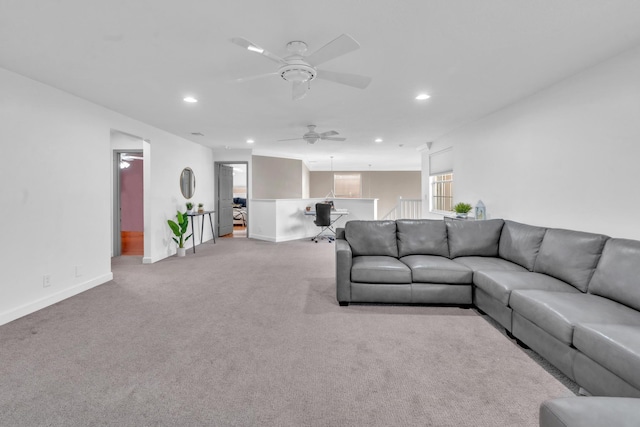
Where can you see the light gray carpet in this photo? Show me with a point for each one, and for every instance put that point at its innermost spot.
(248, 333)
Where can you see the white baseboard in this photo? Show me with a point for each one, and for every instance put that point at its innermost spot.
(282, 238)
(39, 304)
(263, 237)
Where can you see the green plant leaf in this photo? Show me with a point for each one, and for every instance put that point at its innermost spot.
(174, 227)
(462, 207)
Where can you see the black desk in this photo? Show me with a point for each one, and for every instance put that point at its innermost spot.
(192, 215)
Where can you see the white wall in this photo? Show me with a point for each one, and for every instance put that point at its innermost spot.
(566, 157)
(56, 187)
(305, 181)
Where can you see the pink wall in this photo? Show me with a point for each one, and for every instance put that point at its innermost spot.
(131, 190)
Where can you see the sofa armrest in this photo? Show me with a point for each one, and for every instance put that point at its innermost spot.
(344, 258)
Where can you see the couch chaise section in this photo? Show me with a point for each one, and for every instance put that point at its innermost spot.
(590, 412)
(605, 315)
(557, 260)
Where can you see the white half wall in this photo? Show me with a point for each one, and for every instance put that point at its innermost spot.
(567, 157)
(56, 187)
(281, 220)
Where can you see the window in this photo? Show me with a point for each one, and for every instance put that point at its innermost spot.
(441, 180)
(441, 192)
(347, 185)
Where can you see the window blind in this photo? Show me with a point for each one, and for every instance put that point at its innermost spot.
(441, 162)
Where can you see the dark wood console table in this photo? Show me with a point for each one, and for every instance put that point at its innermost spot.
(192, 215)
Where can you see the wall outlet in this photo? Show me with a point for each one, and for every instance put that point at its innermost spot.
(46, 280)
(78, 270)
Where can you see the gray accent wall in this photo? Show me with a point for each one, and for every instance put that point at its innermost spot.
(277, 178)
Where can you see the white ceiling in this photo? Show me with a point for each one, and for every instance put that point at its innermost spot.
(141, 57)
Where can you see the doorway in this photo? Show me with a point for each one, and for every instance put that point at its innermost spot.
(232, 199)
(128, 203)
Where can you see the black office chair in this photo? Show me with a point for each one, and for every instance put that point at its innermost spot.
(323, 220)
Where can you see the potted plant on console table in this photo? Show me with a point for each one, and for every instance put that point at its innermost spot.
(179, 229)
(462, 209)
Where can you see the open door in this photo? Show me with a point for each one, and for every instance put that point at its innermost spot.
(128, 197)
(225, 200)
(131, 204)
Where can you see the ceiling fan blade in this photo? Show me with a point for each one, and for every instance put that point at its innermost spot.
(337, 47)
(249, 78)
(290, 139)
(257, 49)
(300, 90)
(354, 80)
(333, 138)
(328, 133)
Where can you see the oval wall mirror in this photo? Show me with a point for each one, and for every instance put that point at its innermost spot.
(187, 183)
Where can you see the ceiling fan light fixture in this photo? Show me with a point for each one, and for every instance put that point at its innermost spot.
(378, 140)
(297, 73)
(189, 99)
(422, 97)
(250, 141)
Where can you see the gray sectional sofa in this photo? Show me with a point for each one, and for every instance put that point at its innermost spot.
(571, 296)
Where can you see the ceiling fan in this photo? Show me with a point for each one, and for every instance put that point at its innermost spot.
(312, 136)
(300, 70)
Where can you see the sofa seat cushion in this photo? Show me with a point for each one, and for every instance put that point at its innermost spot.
(499, 284)
(437, 269)
(592, 411)
(570, 256)
(616, 347)
(479, 263)
(557, 313)
(379, 269)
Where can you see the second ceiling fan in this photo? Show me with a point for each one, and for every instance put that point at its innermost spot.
(311, 137)
(300, 70)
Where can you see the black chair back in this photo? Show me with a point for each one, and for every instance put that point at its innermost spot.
(323, 214)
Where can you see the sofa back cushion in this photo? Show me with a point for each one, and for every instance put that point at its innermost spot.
(473, 238)
(617, 276)
(372, 237)
(422, 237)
(570, 256)
(520, 243)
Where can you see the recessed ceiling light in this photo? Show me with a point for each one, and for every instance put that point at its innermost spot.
(250, 141)
(422, 97)
(189, 99)
(378, 140)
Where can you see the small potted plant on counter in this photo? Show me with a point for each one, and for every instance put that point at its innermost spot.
(189, 207)
(462, 209)
(200, 208)
(179, 229)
